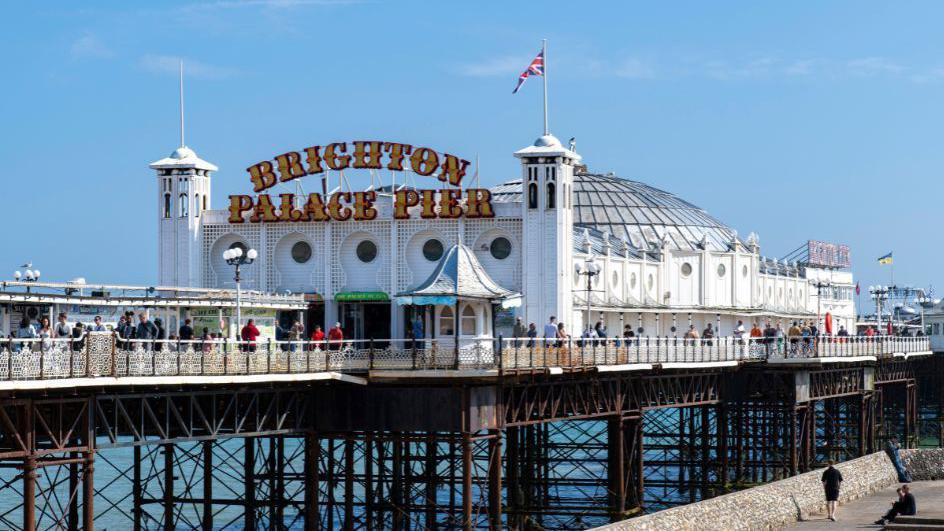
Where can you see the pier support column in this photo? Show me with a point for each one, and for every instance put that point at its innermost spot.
(495, 480)
(207, 485)
(312, 457)
(467, 516)
(88, 491)
(168, 486)
(29, 493)
(249, 482)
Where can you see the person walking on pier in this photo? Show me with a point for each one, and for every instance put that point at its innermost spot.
(708, 334)
(186, 331)
(905, 506)
(335, 337)
(44, 333)
(317, 338)
(249, 334)
(25, 331)
(146, 330)
(550, 332)
(831, 482)
(519, 331)
(62, 327)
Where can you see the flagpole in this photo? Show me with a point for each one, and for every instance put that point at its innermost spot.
(182, 140)
(544, 54)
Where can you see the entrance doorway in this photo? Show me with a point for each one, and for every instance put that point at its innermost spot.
(314, 316)
(365, 320)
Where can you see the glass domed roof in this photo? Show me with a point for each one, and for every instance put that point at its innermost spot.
(637, 212)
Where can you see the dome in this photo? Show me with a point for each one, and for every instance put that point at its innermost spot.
(637, 212)
(547, 141)
(182, 152)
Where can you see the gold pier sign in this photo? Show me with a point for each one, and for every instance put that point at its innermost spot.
(359, 206)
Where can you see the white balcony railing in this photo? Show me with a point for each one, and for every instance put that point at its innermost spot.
(103, 354)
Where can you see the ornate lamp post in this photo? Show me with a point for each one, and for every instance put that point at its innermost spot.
(236, 257)
(820, 288)
(589, 268)
(879, 294)
(924, 302)
(31, 275)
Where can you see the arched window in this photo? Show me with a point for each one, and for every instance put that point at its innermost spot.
(447, 322)
(196, 206)
(166, 206)
(468, 321)
(533, 195)
(551, 196)
(204, 202)
(183, 205)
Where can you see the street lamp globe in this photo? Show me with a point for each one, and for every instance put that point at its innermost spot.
(36, 274)
(251, 254)
(17, 275)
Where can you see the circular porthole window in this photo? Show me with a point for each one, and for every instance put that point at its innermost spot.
(650, 282)
(632, 280)
(500, 248)
(301, 252)
(615, 279)
(433, 250)
(366, 251)
(722, 270)
(686, 269)
(744, 271)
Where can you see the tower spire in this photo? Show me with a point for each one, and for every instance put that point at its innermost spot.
(182, 140)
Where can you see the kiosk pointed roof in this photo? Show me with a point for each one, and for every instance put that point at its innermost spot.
(459, 274)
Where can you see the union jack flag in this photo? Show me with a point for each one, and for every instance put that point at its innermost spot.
(536, 68)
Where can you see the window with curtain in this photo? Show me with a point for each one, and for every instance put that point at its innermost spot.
(447, 322)
(468, 321)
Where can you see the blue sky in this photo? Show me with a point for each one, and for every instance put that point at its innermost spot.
(794, 120)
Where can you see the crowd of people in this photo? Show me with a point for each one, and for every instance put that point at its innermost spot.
(798, 339)
(133, 329)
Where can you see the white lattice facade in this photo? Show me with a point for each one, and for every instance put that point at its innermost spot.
(648, 281)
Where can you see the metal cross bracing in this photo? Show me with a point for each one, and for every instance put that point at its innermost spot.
(532, 451)
(559, 475)
(930, 382)
(405, 480)
(682, 456)
(244, 483)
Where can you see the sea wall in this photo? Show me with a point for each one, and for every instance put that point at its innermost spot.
(779, 503)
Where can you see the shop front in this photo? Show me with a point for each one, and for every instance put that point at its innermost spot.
(364, 315)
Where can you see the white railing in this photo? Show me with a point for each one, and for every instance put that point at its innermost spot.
(98, 354)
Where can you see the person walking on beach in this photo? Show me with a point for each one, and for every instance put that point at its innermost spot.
(831, 481)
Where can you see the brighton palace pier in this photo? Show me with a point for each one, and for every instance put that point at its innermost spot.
(431, 414)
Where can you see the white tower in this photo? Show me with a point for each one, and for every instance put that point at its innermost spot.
(183, 194)
(547, 177)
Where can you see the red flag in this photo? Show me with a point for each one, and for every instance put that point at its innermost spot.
(857, 288)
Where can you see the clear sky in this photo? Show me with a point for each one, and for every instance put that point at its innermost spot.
(794, 120)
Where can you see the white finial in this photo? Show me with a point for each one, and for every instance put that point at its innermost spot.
(182, 140)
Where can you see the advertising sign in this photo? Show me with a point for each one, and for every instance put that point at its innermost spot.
(825, 254)
(369, 155)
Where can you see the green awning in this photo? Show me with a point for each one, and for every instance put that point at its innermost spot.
(361, 296)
